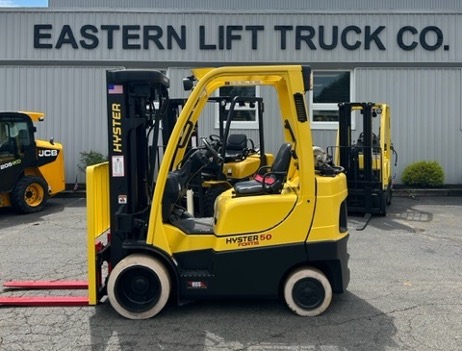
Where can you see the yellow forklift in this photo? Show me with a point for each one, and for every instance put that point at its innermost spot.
(282, 234)
(31, 170)
(367, 161)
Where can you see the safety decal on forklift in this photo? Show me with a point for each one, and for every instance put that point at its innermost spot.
(118, 166)
(196, 285)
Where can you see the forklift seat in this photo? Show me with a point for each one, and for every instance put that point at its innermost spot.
(269, 179)
(236, 147)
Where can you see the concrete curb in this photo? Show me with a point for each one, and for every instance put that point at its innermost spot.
(427, 192)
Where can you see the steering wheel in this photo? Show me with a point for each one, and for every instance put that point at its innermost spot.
(212, 150)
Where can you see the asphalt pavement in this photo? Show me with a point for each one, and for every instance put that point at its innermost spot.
(405, 291)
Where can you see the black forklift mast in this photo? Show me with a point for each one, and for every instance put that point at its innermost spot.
(364, 184)
(345, 141)
(137, 104)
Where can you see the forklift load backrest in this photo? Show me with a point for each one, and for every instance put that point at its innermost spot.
(269, 179)
(236, 146)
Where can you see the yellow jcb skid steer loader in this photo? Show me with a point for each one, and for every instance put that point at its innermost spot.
(31, 170)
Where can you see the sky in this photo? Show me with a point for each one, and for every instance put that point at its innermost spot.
(23, 3)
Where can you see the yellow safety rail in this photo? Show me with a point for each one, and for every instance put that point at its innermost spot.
(98, 222)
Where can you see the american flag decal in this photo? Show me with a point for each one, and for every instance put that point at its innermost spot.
(115, 89)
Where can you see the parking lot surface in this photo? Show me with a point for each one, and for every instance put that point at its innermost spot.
(405, 292)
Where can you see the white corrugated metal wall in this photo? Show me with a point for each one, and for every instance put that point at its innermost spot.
(264, 4)
(73, 99)
(426, 113)
(60, 83)
(16, 24)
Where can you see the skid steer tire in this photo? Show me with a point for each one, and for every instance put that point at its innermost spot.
(30, 194)
(138, 287)
(307, 292)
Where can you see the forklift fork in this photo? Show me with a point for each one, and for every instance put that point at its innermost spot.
(97, 234)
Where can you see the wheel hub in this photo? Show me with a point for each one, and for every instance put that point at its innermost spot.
(33, 195)
(137, 289)
(140, 285)
(308, 293)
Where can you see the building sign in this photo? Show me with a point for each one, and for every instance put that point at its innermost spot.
(301, 37)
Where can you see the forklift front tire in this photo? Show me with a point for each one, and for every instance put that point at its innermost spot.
(30, 194)
(138, 287)
(307, 292)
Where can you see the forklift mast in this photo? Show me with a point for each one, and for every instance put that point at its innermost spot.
(367, 161)
(137, 103)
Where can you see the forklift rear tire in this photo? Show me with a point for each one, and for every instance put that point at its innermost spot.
(138, 287)
(30, 194)
(307, 292)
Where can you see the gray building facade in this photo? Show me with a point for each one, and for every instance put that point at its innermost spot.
(404, 53)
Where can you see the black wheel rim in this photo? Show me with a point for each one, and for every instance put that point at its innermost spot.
(138, 289)
(308, 293)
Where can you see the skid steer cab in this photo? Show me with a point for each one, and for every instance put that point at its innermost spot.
(281, 234)
(31, 170)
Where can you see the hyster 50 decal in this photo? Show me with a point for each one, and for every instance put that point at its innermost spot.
(249, 240)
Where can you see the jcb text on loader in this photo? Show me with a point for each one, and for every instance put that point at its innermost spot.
(282, 234)
(31, 170)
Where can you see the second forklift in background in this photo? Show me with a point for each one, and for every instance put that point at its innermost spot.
(367, 161)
